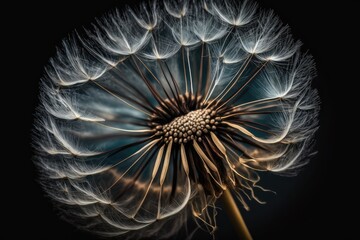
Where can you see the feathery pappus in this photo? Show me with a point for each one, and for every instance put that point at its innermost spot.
(149, 116)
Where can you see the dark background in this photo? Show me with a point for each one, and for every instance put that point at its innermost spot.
(303, 206)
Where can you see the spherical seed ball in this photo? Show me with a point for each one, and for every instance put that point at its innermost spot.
(104, 158)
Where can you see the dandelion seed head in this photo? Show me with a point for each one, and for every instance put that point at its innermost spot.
(148, 117)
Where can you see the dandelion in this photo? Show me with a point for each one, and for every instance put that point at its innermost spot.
(160, 111)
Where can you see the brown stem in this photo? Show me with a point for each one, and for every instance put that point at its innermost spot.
(234, 214)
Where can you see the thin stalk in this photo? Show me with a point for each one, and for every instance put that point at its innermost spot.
(235, 217)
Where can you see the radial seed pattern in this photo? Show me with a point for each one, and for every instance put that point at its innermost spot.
(151, 116)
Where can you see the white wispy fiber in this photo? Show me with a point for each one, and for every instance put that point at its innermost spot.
(149, 116)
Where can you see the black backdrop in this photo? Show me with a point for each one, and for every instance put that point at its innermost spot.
(300, 207)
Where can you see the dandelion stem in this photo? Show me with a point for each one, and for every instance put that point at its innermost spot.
(234, 214)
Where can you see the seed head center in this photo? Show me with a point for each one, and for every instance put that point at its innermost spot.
(192, 126)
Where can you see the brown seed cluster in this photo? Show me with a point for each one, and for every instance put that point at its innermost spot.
(191, 126)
